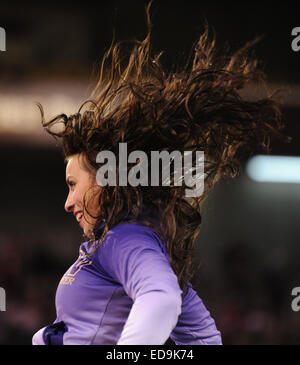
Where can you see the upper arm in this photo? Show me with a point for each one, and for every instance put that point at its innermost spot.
(195, 324)
(134, 258)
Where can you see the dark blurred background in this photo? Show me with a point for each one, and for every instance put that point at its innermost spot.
(249, 245)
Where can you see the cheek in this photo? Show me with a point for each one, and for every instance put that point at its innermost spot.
(78, 196)
(92, 200)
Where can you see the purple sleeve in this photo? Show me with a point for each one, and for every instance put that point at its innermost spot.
(134, 257)
(37, 339)
(195, 325)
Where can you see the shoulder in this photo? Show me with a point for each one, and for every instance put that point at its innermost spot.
(132, 235)
(134, 256)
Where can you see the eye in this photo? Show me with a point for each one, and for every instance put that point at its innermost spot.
(70, 183)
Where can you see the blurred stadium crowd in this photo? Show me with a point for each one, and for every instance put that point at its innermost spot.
(52, 50)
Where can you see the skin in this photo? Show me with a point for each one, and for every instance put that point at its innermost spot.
(81, 182)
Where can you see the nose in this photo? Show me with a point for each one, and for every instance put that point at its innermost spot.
(69, 204)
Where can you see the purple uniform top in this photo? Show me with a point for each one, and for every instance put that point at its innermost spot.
(126, 293)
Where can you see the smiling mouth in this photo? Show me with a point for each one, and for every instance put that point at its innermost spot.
(79, 217)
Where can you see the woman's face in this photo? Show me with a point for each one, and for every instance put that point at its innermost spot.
(81, 182)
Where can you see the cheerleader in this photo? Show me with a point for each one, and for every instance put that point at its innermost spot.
(131, 284)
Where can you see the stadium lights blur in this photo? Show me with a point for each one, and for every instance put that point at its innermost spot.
(282, 169)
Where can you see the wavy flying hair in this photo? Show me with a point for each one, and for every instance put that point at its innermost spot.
(197, 107)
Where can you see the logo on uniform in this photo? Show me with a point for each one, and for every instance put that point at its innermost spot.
(70, 275)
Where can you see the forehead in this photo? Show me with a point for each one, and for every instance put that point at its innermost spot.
(72, 162)
(73, 166)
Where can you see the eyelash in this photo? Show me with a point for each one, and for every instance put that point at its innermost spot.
(71, 183)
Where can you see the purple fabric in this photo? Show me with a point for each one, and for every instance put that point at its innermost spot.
(127, 293)
(53, 334)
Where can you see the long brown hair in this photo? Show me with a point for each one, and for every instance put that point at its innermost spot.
(197, 107)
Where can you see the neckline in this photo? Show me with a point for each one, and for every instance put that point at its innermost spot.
(147, 210)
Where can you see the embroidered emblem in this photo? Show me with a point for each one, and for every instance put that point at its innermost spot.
(82, 261)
